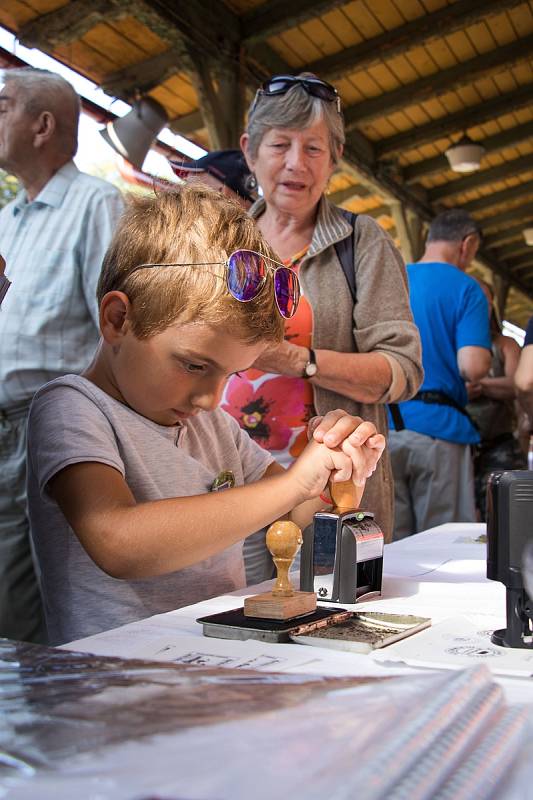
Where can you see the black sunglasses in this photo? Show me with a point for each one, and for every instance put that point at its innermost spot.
(280, 84)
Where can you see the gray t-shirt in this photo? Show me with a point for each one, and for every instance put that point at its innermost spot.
(72, 421)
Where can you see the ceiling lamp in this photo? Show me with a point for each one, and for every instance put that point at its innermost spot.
(528, 236)
(133, 135)
(465, 156)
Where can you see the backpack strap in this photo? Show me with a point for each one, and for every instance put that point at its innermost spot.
(345, 250)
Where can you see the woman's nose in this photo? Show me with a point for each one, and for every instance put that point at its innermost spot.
(294, 156)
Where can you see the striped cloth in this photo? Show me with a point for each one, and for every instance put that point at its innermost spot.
(53, 247)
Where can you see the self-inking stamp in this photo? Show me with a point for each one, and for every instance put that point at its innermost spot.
(342, 552)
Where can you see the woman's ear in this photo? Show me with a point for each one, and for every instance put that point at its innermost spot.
(114, 312)
(245, 147)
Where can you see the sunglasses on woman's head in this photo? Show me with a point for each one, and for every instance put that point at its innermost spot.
(280, 84)
(246, 275)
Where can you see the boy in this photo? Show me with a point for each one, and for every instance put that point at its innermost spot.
(123, 458)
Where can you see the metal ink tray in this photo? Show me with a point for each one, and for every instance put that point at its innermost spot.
(234, 625)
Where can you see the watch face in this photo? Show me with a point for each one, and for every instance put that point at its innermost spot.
(310, 370)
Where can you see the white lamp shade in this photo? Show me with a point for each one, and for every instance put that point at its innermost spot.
(528, 236)
(465, 156)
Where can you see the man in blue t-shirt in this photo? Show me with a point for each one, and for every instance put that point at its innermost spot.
(431, 457)
(524, 374)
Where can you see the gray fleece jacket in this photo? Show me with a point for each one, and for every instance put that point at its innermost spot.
(380, 322)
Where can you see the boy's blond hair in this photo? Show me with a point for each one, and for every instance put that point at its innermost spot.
(187, 224)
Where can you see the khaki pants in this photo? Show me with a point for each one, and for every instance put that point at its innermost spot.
(21, 614)
(433, 482)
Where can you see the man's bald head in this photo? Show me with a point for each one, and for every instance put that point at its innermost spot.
(40, 91)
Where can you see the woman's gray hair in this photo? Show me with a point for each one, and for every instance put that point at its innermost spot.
(296, 109)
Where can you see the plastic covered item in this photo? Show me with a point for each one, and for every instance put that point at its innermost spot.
(78, 726)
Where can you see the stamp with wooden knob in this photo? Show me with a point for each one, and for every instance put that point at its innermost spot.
(283, 540)
(345, 494)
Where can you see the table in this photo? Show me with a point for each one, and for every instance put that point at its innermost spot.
(439, 573)
(310, 747)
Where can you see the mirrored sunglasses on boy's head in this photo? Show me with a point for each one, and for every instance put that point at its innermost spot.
(246, 277)
(281, 84)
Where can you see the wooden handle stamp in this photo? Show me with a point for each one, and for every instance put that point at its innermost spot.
(345, 495)
(283, 541)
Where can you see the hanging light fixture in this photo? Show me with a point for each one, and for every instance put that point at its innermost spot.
(528, 236)
(133, 135)
(465, 156)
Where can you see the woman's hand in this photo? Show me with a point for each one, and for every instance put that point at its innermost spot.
(284, 359)
(356, 438)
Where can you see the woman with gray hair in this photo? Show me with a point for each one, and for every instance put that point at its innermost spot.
(356, 350)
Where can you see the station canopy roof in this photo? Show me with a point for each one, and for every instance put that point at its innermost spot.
(414, 77)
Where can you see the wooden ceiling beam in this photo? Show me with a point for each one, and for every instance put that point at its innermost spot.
(505, 235)
(495, 198)
(456, 123)
(69, 22)
(349, 193)
(517, 248)
(144, 75)
(482, 178)
(397, 41)
(521, 212)
(492, 144)
(276, 16)
(439, 83)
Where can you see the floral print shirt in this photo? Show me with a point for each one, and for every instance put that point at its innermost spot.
(275, 409)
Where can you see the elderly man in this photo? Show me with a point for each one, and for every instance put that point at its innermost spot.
(53, 236)
(431, 455)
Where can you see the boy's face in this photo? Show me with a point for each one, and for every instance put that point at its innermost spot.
(173, 375)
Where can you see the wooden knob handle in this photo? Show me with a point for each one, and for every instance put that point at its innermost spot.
(345, 494)
(283, 540)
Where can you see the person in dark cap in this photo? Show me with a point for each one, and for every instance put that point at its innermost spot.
(225, 170)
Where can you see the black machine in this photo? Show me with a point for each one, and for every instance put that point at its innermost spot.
(509, 530)
(342, 556)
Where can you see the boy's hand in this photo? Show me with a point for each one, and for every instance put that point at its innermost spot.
(316, 465)
(357, 439)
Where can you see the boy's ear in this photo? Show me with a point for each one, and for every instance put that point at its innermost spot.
(114, 312)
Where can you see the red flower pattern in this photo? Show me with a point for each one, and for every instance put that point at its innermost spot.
(268, 413)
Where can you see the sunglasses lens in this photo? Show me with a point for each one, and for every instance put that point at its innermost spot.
(246, 275)
(279, 85)
(287, 290)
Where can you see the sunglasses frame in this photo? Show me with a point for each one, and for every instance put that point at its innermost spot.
(227, 265)
(294, 80)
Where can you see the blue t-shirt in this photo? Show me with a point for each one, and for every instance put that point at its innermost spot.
(529, 332)
(451, 312)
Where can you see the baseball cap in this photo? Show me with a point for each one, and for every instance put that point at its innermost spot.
(227, 166)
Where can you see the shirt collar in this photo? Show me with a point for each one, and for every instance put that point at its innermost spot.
(53, 193)
(331, 226)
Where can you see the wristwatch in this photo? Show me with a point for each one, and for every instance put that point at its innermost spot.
(310, 368)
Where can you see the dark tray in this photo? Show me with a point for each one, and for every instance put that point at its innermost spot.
(234, 625)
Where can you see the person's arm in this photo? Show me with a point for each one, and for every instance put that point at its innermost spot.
(364, 377)
(132, 540)
(473, 362)
(503, 388)
(388, 364)
(523, 379)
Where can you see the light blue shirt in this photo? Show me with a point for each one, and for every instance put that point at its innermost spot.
(53, 247)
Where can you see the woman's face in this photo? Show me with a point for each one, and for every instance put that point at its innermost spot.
(292, 166)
